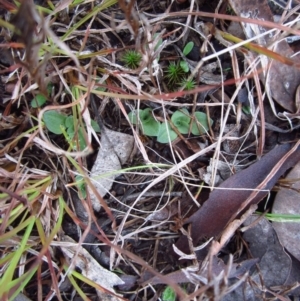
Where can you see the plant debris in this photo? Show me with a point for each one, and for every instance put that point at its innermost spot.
(149, 151)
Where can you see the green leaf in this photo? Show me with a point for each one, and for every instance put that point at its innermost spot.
(150, 126)
(151, 129)
(76, 139)
(184, 66)
(246, 110)
(200, 124)
(95, 126)
(71, 133)
(188, 48)
(38, 101)
(168, 294)
(165, 133)
(69, 122)
(146, 115)
(181, 120)
(54, 121)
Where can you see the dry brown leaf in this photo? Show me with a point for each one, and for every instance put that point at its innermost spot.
(287, 202)
(115, 150)
(10, 122)
(237, 193)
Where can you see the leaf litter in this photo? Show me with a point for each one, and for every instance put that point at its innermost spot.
(144, 200)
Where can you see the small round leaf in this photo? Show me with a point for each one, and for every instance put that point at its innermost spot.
(38, 101)
(71, 132)
(146, 115)
(54, 121)
(165, 133)
(69, 122)
(200, 124)
(149, 124)
(182, 121)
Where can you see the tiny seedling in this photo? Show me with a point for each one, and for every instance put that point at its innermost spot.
(54, 121)
(187, 84)
(181, 120)
(186, 50)
(58, 123)
(131, 59)
(149, 125)
(226, 69)
(174, 73)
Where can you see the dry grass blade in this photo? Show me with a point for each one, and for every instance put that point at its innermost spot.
(191, 96)
(130, 14)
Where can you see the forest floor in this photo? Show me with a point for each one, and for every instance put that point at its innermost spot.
(149, 150)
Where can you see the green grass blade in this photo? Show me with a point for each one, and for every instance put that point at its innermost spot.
(13, 232)
(22, 282)
(6, 282)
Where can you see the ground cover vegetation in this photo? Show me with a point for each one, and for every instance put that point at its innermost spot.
(149, 150)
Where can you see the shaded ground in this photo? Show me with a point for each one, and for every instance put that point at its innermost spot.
(133, 133)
